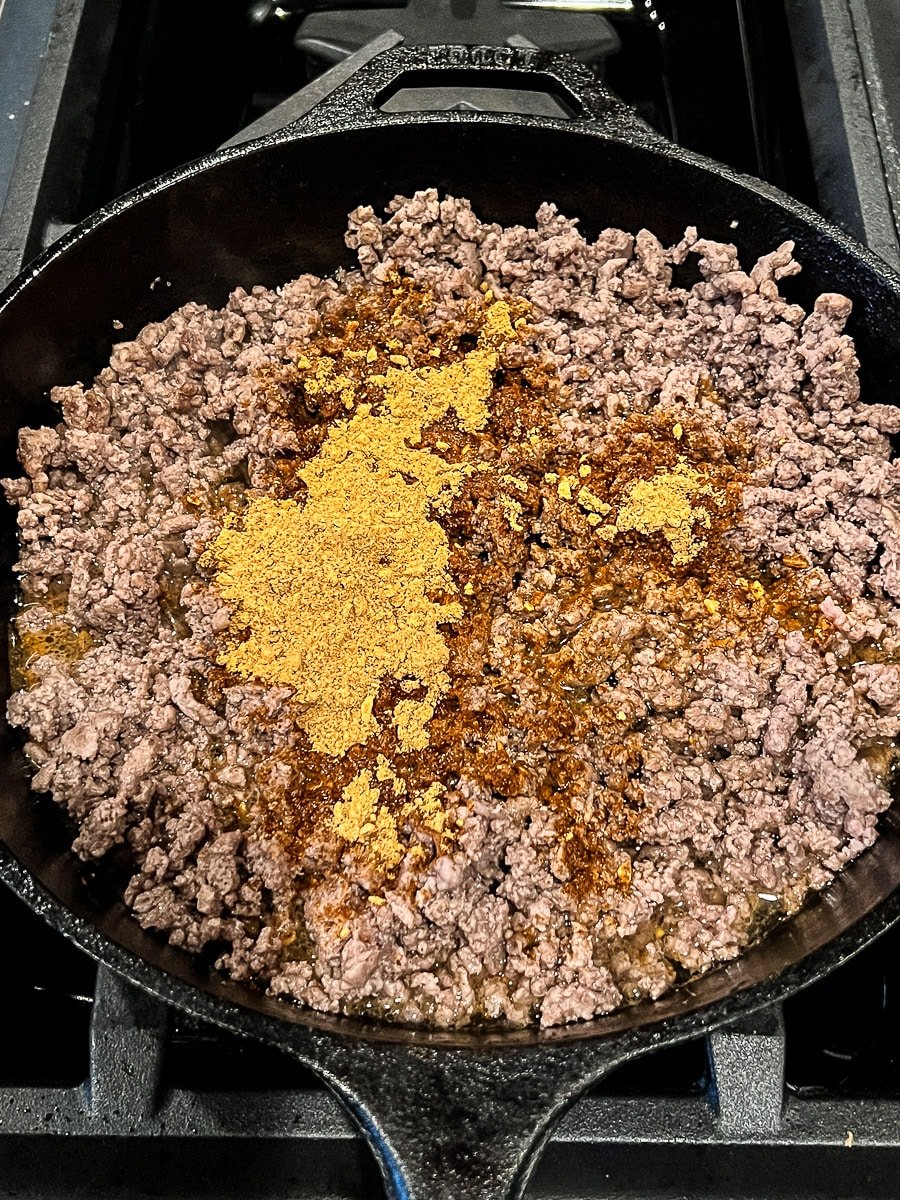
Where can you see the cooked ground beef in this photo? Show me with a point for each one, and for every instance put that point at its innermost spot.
(754, 770)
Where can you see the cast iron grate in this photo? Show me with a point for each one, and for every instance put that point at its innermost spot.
(85, 1055)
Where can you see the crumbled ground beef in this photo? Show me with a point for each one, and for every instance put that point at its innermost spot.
(764, 763)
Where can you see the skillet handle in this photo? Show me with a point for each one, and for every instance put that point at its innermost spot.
(447, 1124)
(443, 1123)
(541, 87)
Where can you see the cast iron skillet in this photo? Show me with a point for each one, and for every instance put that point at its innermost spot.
(459, 1115)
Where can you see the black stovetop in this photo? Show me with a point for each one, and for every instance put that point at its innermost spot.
(800, 1103)
(98, 95)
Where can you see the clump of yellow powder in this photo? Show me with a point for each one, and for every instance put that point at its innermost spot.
(360, 819)
(335, 593)
(369, 827)
(664, 504)
(324, 377)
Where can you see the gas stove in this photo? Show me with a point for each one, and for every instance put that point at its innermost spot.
(107, 1093)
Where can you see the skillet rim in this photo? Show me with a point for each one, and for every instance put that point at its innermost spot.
(301, 1030)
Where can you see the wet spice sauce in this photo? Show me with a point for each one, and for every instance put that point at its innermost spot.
(422, 569)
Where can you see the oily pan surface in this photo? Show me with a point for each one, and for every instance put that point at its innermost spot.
(670, 697)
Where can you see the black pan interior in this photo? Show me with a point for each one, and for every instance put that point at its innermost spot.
(264, 216)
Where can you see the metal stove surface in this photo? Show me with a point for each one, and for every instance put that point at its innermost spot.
(104, 1092)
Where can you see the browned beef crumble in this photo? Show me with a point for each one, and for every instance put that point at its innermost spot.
(762, 764)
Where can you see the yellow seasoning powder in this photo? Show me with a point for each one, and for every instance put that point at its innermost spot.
(332, 595)
(663, 505)
(362, 821)
(326, 378)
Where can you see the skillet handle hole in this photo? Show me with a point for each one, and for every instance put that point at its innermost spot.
(531, 94)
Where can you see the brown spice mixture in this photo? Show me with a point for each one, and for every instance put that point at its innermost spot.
(370, 585)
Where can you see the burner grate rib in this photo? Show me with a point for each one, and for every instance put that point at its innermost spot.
(847, 80)
(126, 1095)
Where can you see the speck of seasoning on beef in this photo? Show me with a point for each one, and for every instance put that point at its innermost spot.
(654, 695)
